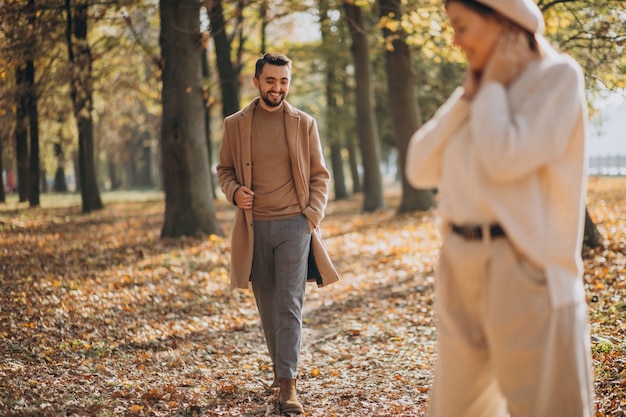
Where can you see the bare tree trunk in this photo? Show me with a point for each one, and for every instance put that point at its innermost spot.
(21, 134)
(59, 184)
(592, 237)
(189, 208)
(208, 98)
(403, 104)
(334, 137)
(145, 176)
(229, 74)
(333, 131)
(81, 90)
(263, 8)
(33, 114)
(354, 167)
(3, 197)
(33, 117)
(366, 119)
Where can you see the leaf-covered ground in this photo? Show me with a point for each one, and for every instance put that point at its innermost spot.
(100, 317)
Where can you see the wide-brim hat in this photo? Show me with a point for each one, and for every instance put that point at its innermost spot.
(525, 13)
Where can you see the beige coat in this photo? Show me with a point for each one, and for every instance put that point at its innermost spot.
(311, 180)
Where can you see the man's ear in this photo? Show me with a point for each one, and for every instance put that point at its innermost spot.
(255, 81)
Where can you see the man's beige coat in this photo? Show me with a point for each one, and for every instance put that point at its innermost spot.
(311, 181)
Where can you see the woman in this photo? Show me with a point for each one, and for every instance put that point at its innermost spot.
(506, 152)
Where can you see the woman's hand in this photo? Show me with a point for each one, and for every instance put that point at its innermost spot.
(509, 58)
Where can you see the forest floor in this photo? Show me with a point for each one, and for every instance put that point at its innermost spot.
(101, 317)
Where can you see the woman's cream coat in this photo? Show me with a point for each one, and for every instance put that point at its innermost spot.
(311, 181)
(527, 145)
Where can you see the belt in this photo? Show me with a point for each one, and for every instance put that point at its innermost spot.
(475, 232)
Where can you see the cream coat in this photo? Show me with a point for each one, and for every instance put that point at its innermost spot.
(525, 145)
(311, 181)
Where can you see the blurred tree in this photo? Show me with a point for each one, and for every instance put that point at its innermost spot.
(19, 32)
(4, 134)
(402, 102)
(208, 100)
(365, 118)
(227, 69)
(593, 32)
(21, 133)
(127, 68)
(189, 208)
(33, 113)
(334, 67)
(81, 91)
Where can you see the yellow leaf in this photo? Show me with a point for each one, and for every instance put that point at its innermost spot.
(315, 372)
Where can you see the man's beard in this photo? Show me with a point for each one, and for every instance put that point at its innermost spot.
(271, 103)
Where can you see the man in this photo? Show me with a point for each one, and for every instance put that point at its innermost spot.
(272, 169)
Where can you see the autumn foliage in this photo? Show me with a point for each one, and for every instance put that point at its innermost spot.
(100, 317)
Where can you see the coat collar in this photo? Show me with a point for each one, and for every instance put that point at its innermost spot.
(292, 121)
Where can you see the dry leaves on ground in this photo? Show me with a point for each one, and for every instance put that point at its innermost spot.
(99, 317)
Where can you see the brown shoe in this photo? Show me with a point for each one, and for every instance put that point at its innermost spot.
(288, 397)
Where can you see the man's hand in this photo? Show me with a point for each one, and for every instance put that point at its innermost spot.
(244, 197)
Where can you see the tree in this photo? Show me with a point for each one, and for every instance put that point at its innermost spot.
(189, 208)
(208, 104)
(33, 114)
(594, 33)
(366, 121)
(402, 101)
(126, 72)
(4, 121)
(81, 91)
(21, 133)
(228, 71)
(333, 129)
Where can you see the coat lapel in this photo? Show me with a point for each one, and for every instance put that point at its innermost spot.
(245, 129)
(291, 130)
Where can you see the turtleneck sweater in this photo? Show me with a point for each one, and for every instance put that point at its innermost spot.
(272, 178)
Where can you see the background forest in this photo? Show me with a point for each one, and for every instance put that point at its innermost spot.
(94, 92)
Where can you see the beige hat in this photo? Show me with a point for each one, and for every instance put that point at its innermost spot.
(525, 13)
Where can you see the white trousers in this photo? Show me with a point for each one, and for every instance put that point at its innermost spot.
(502, 350)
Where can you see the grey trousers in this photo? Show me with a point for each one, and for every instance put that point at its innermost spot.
(279, 267)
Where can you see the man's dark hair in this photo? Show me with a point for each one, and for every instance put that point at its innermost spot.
(272, 59)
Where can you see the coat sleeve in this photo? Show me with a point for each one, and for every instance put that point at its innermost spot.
(318, 179)
(512, 143)
(425, 150)
(226, 173)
